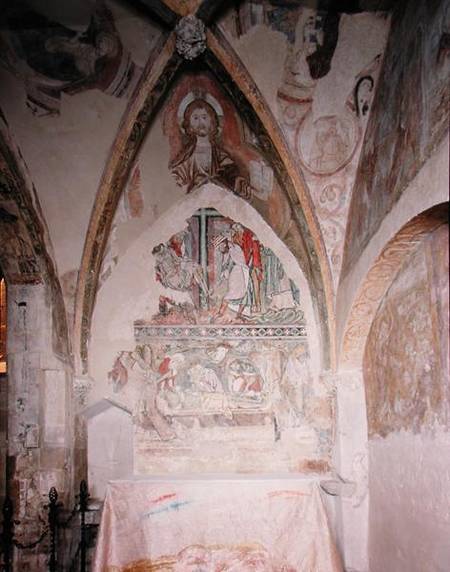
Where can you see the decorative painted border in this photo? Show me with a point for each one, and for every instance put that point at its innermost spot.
(146, 332)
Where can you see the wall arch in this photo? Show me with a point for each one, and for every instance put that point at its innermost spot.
(160, 71)
(120, 317)
(39, 414)
(26, 255)
(379, 278)
(289, 420)
(405, 371)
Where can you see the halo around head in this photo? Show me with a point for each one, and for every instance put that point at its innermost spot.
(199, 94)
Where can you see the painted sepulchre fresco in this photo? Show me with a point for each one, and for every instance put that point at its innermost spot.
(219, 379)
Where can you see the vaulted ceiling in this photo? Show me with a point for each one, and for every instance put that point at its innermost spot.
(156, 25)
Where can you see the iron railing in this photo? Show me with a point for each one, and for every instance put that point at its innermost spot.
(56, 550)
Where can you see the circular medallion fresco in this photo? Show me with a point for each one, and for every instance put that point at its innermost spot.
(327, 143)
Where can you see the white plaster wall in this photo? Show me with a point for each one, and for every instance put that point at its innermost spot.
(351, 465)
(65, 156)
(409, 528)
(267, 72)
(110, 449)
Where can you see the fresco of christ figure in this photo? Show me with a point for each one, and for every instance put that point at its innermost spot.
(202, 158)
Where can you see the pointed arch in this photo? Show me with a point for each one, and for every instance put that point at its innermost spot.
(159, 72)
(379, 278)
(26, 254)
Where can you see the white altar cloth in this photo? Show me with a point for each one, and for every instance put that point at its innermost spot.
(215, 524)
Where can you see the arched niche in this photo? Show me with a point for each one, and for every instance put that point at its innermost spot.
(39, 419)
(378, 279)
(203, 388)
(405, 368)
(163, 68)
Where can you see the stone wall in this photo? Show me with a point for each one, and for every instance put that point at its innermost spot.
(40, 433)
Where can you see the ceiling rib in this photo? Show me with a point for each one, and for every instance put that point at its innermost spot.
(158, 74)
(160, 68)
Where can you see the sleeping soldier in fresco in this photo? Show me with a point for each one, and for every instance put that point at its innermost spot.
(202, 158)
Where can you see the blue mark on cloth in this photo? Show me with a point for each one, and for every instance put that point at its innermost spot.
(174, 505)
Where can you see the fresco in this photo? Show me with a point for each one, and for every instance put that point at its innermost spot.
(167, 384)
(228, 274)
(409, 119)
(200, 404)
(224, 364)
(406, 356)
(324, 131)
(202, 143)
(220, 374)
(326, 144)
(310, 50)
(210, 143)
(312, 35)
(53, 59)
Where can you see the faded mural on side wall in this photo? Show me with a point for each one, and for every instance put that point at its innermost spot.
(406, 357)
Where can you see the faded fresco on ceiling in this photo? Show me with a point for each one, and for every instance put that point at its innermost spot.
(324, 138)
(53, 59)
(209, 143)
(308, 59)
(406, 356)
(408, 122)
(325, 143)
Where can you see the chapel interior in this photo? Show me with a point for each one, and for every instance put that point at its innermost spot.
(224, 256)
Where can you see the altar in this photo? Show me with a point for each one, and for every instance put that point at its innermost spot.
(210, 523)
